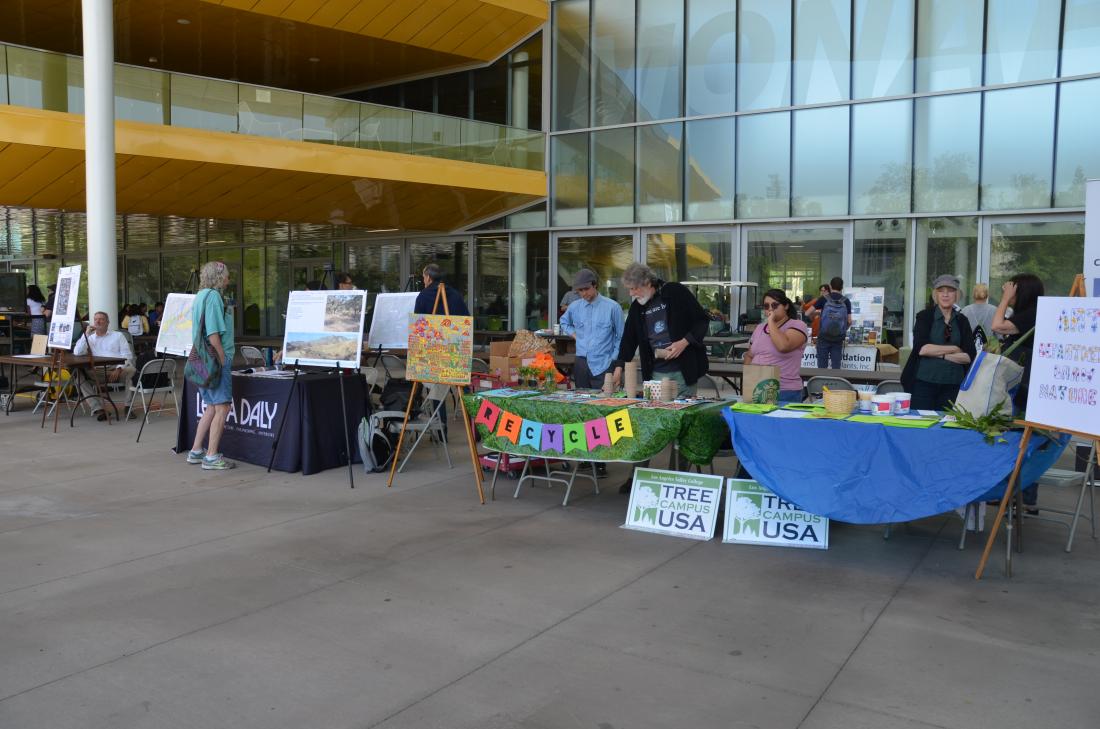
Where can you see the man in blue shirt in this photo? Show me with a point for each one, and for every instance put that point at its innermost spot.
(596, 322)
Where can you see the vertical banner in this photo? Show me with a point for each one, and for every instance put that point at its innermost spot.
(64, 308)
(674, 503)
(755, 515)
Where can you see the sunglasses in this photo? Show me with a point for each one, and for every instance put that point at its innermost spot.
(946, 333)
(768, 307)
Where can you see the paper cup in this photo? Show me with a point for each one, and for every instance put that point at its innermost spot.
(865, 405)
(882, 404)
(901, 403)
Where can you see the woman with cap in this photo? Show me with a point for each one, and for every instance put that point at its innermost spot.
(943, 348)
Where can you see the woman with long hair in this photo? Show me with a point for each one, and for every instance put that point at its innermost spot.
(36, 308)
(780, 341)
(212, 322)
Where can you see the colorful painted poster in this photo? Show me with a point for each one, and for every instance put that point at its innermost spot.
(674, 503)
(1064, 390)
(324, 328)
(64, 308)
(755, 515)
(174, 336)
(441, 349)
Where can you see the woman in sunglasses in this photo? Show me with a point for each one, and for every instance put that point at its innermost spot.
(943, 348)
(779, 341)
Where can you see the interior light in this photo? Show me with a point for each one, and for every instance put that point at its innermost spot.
(314, 59)
(183, 21)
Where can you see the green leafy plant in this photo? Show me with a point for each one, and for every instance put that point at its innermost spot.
(543, 378)
(992, 426)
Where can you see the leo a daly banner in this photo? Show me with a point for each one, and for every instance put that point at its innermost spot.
(674, 503)
(754, 515)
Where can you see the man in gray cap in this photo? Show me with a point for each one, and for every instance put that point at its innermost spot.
(596, 322)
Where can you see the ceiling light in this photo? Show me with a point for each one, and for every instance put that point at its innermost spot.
(152, 59)
(183, 21)
(314, 59)
(383, 230)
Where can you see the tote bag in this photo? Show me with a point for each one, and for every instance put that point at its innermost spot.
(760, 384)
(202, 368)
(993, 379)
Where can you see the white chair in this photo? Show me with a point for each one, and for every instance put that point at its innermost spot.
(158, 375)
(432, 426)
(253, 357)
(887, 386)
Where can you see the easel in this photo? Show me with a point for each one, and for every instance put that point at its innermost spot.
(55, 367)
(440, 295)
(1078, 289)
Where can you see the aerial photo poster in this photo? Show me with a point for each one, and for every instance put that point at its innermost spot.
(324, 328)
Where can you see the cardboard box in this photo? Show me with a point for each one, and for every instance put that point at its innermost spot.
(506, 368)
(499, 348)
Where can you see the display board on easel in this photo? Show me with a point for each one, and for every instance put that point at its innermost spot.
(64, 310)
(389, 327)
(174, 334)
(868, 309)
(324, 328)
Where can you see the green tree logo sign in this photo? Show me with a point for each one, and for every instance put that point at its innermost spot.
(746, 511)
(646, 501)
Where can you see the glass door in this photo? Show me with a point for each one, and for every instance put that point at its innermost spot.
(795, 260)
(1051, 247)
(305, 272)
(607, 255)
(450, 254)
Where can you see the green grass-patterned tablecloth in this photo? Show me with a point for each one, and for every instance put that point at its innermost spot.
(699, 430)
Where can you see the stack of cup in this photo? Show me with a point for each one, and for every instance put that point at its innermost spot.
(608, 385)
(901, 403)
(669, 389)
(865, 400)
(630, 379)
(882, 404)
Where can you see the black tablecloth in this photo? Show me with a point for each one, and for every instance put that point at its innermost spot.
(313, 437)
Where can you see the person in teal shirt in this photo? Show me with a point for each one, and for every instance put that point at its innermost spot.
(212, 321)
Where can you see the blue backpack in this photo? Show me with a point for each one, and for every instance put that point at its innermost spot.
(834, 319)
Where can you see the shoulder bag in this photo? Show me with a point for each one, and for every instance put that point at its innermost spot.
(202, 368)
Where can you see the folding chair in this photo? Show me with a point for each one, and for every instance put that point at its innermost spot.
(435, 397)
(815, 386)
(887, 386)
(253, 357)
(158, 375)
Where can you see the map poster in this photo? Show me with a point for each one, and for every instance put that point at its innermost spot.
(174, 335)
(755, 515)
(441, 348)
(674, 503)
(64, 308)
(324, 328)
(1064, 389)
(389, 327)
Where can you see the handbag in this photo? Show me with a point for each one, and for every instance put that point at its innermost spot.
(202, 368)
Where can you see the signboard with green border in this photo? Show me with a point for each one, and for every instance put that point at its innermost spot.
(674, 503)
(755, 515)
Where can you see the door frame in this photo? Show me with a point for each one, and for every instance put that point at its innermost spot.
(985, 234)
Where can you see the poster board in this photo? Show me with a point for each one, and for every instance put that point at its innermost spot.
(174, 335)
(1064, 389)
(1092, 238)
(441, 348)
(324, 328)
(674, 503)
(868, 306)
(389, 327)
(755, 515)
(64, 308)
(857, 357)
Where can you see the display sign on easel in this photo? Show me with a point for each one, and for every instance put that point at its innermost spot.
(1064, 389)
(389, 327)
(174, 335)
(64, 308)
(868, 308)
(324, 328)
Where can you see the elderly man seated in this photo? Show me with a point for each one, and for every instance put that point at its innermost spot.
(104, 342)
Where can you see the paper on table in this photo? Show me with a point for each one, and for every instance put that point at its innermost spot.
(784, 413)
(928, 413)
(28, 356)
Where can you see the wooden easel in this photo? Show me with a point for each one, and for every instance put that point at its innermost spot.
(440, 295)
(1078, 289)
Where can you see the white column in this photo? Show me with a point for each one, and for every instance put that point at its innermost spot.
(519, 281)
(520, 89)
(99, 155)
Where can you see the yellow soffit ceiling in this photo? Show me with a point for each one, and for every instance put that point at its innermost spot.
(194, 173)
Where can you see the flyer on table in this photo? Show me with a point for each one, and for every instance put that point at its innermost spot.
(674, 503)
(64, 308)
(324, 328)
(755, 515)
(1064, 390)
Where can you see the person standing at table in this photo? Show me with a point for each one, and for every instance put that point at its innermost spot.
(943, 348)
(103, 342)
(780, 341)
(211, 321)
(832, 317)
(596, 322)
(980, 312)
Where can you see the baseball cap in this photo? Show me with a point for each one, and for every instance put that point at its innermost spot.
(946, 279)
(583, 278)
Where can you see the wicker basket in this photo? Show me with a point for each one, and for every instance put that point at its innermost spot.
(840, 401)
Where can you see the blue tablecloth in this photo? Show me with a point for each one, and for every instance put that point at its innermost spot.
(866, 473)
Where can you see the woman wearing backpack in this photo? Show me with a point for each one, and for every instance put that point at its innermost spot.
(943, 348)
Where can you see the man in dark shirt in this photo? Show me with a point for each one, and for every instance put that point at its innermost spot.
(425, 300)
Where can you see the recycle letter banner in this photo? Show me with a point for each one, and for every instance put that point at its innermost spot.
(581, 437)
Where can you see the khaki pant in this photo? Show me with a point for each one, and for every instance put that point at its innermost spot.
(88, 384)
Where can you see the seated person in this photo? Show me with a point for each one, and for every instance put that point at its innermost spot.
(104, 342)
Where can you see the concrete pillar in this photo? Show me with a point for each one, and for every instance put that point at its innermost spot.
(99, 155)
(521, 80)
(519, 281)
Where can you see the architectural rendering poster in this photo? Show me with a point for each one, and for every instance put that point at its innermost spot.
(441, 348)
(1064, 390)
(674, 503)
(389, 327)
(324, 328)
(64, 308)
(174, 335)
(755, 515)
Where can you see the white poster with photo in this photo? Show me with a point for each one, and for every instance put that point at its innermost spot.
(755, 515)
(674, 503)
(174, 335)
(868, 310)
(64, 308)
(324, 328)
(389, 327)
(1064, 389)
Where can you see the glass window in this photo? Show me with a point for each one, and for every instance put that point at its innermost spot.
(3, 77)
(142, 232)
(949, 44)
(569, 176)
(530, 280)
(612, 62)
(793, 260)
(42, 80)
(709, 172)
(613, 176)
(376, 268)
(571, 77)
(1052, 250)
(437, 136)
(175, 272)
(881, 146)
(764, 46)
(882, 56)
(820, 185)
(945, 245)
(385, 129)
(1080, 38)
(688, 257)
(1078, 150)
(1021, 41)
(491, 94)
(607, 255)
(453, 95)
(711, 56)
(222, 232)
(21, 232)
(490, 300)
(660, 58)
(204, 103)
(419, 95)
(879, 259)
(142, 280)
(252, 292)
(332, 121)
(179, 231)
(945, 163)
(451, 254)
(270, 112)
(47, 239)
(140, 94)
(660, 192)
(822, 35)
(763, 165)
(526, 68)
(277, 291)
(76, 233)
(1018, 148)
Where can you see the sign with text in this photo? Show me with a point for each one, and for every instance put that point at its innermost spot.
(64, 308)
(1064, 389)
(389, 326)
(324, 328)
(674, 503)
(441, 349)
(867, 306)
(1092, 238)
(755, 515)
(174, 335)
(859, 357)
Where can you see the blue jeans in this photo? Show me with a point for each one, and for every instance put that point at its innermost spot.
(222, 391)
(829, 351)
(790, 396)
